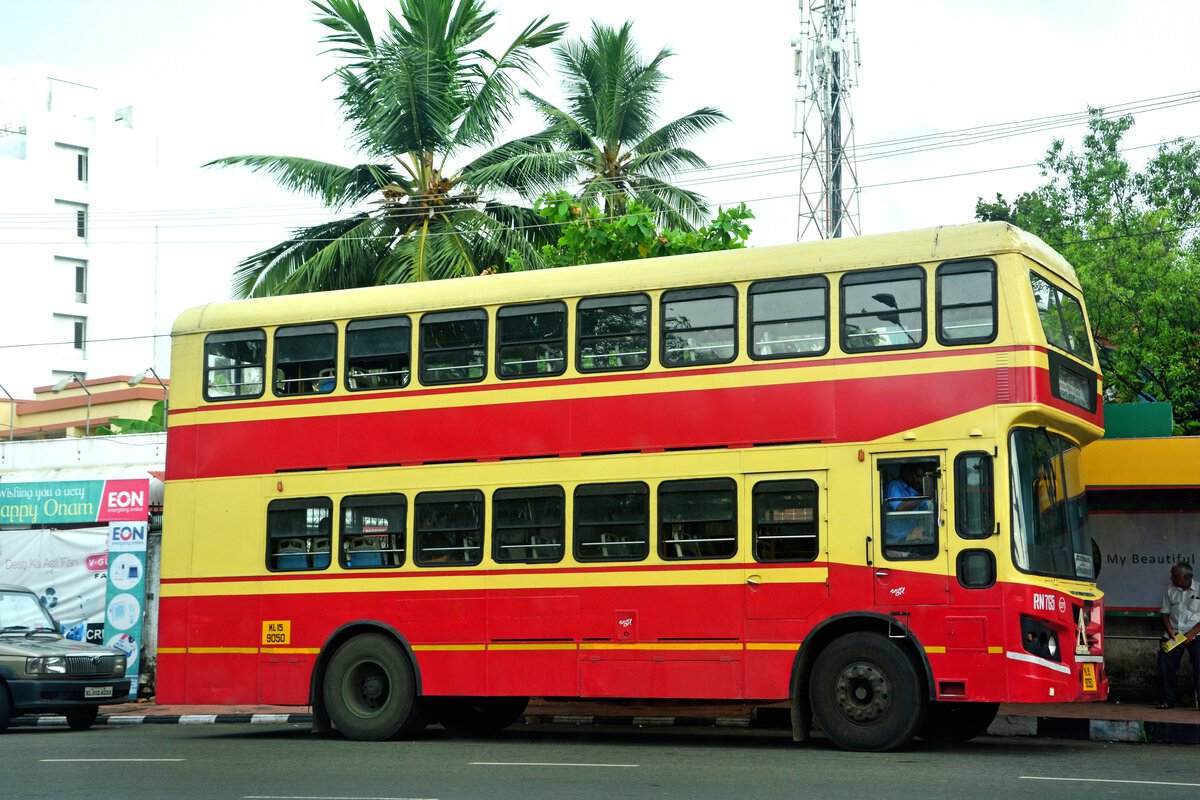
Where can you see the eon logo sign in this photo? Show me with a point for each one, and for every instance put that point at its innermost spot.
(126, 537)
(124, 500)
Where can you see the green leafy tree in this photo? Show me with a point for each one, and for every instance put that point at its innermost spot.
(416, 96)
(1132, 237)
(119, 425)
(607, 135)
(589, 236)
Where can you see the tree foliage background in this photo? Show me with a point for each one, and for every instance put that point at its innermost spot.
(1134, 239)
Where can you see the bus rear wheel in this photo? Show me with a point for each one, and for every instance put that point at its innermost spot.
(370, 692)
(866, 694)
(480, 716)
(955, 723)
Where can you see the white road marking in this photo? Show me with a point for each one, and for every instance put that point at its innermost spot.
(1106, 780)
(546, 764)
(325, 797)
(115, 761)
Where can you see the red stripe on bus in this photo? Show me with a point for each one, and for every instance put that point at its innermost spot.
(824, 411)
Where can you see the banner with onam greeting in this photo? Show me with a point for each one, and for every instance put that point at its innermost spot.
(61, 502)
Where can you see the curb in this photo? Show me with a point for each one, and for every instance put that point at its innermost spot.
(167, 719)
(1095, 730)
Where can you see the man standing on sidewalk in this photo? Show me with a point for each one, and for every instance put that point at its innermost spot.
(1181, 620)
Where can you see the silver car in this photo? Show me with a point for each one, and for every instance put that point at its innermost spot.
(41, 671)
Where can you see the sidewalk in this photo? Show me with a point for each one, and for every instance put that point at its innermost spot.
(1101, 722)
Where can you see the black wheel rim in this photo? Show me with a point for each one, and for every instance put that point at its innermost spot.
(863, 693)
(366, 688)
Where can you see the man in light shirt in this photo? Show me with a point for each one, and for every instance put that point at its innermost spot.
(1180, 616)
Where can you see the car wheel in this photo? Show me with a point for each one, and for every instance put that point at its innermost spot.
(80, 719)
(5, 708)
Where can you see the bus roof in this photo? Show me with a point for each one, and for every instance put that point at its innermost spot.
(827, 256)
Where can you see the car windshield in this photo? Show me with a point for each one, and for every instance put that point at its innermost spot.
(1049, 513)
(20, 612)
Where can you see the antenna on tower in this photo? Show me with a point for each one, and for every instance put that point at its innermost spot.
(826, 66)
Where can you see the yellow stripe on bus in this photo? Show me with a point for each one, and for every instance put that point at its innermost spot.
(660, 646)
(448, 648)
(534, 646)
(428, 581)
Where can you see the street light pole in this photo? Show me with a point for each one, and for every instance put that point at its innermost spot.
(74, 377)
(141, 376)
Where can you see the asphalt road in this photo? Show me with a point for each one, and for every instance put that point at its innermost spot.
(273, 762)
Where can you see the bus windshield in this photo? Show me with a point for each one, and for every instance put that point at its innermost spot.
(1049, 512)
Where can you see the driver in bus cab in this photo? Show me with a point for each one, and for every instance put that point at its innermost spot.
(905, 494)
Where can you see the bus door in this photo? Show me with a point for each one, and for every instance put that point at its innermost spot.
(907, 548)
(787, 562)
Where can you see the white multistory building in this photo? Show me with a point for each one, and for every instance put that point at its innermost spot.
(78, 250)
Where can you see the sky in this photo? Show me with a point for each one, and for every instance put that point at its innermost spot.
(231, 77)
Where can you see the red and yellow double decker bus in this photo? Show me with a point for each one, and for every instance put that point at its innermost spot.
(842, 474)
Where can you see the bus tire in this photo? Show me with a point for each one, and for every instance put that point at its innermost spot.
(80, 719)
(370, 691)
(955, 723)
(866, 694)
(480, 716)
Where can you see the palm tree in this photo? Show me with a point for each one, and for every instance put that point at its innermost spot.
(607, 134)
(418, 95)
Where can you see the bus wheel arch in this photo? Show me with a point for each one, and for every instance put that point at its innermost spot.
(385, 655)
(879, 634)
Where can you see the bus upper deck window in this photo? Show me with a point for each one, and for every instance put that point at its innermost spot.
(306, 359)
(966, 302)
(233, 365)
(531, 340)
(378, 353)
(699, 326)
(1062, 318)
(454, 346)
(789, 318)
(883, 309)
(613, 333)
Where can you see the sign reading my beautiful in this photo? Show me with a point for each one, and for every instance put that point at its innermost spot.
(73, 501)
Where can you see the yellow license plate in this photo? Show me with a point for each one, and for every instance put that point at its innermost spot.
(1089, 677)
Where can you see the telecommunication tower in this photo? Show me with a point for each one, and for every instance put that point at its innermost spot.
(826, 66)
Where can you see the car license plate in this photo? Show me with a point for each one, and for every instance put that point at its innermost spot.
(1089, 677)
(107, 691)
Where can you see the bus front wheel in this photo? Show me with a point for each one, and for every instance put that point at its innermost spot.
(866, 694)
(369, 690)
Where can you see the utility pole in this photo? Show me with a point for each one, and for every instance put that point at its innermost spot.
(826, 66)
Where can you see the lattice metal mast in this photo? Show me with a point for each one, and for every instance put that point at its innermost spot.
(826, 66)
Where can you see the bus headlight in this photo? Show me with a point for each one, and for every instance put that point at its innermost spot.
(1038, 639)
